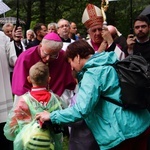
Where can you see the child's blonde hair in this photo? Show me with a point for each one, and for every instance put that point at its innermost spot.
(39, 74)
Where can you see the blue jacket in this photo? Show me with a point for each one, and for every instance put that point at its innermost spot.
(109, 123)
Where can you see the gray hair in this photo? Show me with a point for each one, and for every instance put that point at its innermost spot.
(7, 25)
(52, 24)
(53, 45)
(30, 30)
(60, 20)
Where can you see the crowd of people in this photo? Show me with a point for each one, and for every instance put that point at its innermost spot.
(55, 77)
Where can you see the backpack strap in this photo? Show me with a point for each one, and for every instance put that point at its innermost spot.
(113, 101)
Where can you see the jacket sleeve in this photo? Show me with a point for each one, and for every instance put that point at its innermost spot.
(86, 101)
(18, 116)
(113, 47)
(12, 54)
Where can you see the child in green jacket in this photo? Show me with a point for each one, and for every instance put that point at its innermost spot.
(21, 127)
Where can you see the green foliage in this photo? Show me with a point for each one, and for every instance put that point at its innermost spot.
(46, 11)
(65, 143)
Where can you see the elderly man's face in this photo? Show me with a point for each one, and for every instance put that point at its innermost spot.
(8, 31)
(95, 33)
(63, 29)
(48, 54)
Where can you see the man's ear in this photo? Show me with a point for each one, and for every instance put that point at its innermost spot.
(49, 79)
(38, 32)
(78, 59)
(28, 78)
(40, 45)
(88, 31)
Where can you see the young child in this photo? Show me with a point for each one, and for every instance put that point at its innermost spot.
(21, 127)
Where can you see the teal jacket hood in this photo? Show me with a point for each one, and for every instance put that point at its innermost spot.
(101, 59)
(98, 59)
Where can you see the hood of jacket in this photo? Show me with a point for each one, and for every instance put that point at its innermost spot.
(98, 59)
(101, 59)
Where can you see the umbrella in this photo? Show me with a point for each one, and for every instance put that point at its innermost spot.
(12, 20)
(146, 11)
(3, 8)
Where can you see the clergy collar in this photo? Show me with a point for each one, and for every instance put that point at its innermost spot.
(66, 40)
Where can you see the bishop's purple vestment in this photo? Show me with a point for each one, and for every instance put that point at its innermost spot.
(60, 72)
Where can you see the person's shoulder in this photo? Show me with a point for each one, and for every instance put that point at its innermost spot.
(72, 40)
(3, 36)
(62, 52)
(88, 40)
(148, 41)
(35, 42)
(28, 54)
(24, 97)
(2, 33)
(24, 41)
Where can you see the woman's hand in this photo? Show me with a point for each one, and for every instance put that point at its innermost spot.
(43, 116)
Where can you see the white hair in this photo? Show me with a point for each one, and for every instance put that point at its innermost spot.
(53, 45)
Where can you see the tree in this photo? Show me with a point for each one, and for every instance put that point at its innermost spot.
(46, 11)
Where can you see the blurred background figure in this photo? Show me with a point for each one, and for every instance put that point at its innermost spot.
(92, 19)
(139, 42)
(40, 31)
(7, 29)
(30, 36)
(79, 36)
(16, 47)
(52, 27)
(73, 31)
(16, 44)
(118, 38)
(63, 29)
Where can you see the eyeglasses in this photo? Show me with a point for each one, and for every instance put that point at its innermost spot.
(54, 56)
(65, 25)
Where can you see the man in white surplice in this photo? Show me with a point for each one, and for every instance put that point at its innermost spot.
(6, 99)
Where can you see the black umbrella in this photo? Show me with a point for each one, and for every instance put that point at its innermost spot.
(17, 21)
(146, 11)
(12, 20)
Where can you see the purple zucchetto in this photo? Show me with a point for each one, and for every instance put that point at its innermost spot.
(53, 36)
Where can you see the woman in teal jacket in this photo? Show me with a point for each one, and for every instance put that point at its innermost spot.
(112, 126)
